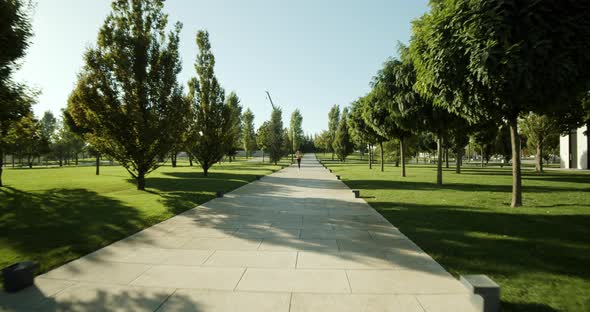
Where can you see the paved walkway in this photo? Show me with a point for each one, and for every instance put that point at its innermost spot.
(293, 241)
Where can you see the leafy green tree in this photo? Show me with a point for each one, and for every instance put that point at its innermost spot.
(394, 87)
(235, 131)
(538, 129)
(502, 143)
(248, 134)
(333, 123)
(26, 137)
(15, 98)
(211, 129)
(263, 137)
(503, 57)
(287, 144)
(296, 132)
(378, 115)
(484, 138)
(72, 141)
(458, 139)
(48, 124)
(276, 135)
(128, 93)
(343, 145)
(360, 130)
(322, 141)
(82, 130)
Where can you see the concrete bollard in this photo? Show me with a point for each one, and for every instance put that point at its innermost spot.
(485, 292)
(19, 275)
(357, 193)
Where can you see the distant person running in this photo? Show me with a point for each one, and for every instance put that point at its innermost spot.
(298, 155)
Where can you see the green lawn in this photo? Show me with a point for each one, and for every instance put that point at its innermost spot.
(54, 215)
(539, 254)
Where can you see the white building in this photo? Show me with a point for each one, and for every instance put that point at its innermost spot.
(573, 149)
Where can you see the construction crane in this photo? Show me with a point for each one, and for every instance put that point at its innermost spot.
(270, 99)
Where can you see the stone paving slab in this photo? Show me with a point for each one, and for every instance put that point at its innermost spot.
(354, 303)
(191, 300)
(291, 280)
(292, 241)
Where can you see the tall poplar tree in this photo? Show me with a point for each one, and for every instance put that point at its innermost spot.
(248, 134)
(276, 135)
(343, 145)
(296, 131)
(263, 137)
(212, 120)
(333, 122)
(235, 131)
(127, 92)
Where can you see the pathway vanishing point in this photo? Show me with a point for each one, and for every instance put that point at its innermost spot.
(294, 241)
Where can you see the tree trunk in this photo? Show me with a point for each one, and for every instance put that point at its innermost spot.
(539, 157)
(439, 148)
(483, 155)
(516, 178)
(402, 154)
(447, 156)
(382, 161)
(141, 181)
(97, 164)
(370, 157)
(173, 159)
(205, 170)
(1, 166)
(190, 159)
(262, 156)
(458, 157)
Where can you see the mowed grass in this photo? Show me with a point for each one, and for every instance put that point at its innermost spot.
(55, 215)
(539, 253)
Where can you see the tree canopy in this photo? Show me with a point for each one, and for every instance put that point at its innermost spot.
(499, 58)
(15, 98)
(213, 118)
(127, 92)
(248, 134)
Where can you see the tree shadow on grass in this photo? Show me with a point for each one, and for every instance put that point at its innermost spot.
(571, 177)
(526, 307)
(463, 187)
(58, 225)
(504, 245)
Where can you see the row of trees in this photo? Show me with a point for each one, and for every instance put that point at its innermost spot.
(127, 103)
(480, 69)
(29, 138)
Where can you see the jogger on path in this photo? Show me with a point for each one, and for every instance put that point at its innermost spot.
(298, 155)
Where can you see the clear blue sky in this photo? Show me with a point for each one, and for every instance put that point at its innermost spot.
(309, 54)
